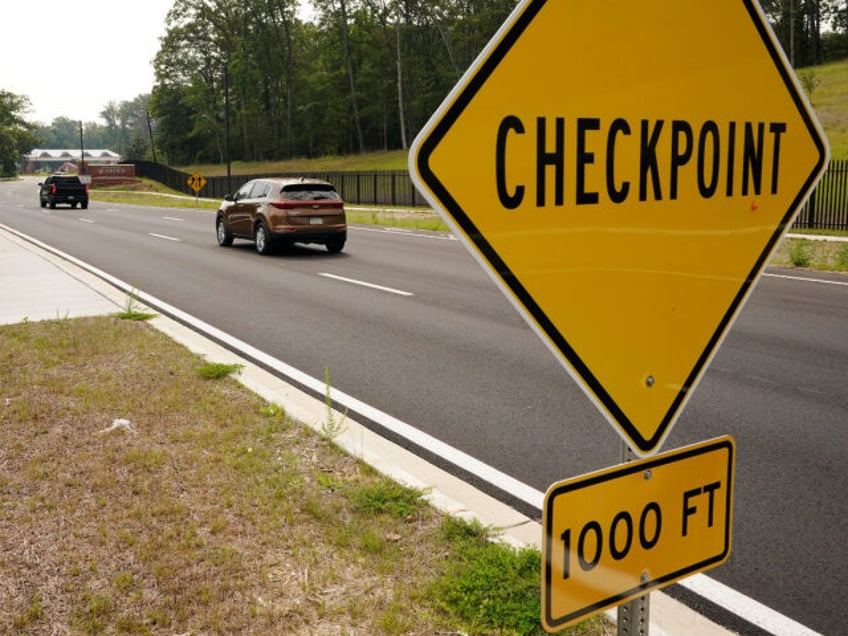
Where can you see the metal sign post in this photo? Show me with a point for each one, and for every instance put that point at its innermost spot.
(634, 617)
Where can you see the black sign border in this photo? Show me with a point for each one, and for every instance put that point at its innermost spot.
(452, 114)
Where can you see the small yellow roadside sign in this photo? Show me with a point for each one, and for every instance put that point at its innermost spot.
(617, 534)
(196, 182)
(623, 170)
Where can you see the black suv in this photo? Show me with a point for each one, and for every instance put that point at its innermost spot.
(62, 188)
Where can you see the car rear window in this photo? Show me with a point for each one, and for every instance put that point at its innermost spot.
(309, 192)
(66, 179)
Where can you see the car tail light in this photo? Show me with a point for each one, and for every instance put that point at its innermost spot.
(53, 188)
(86, 188)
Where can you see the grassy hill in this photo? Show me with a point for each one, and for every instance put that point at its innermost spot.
(829, 98)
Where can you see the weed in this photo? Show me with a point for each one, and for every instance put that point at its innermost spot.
(491, 586)
(122, 581)
(274, 411)
(388, 497)
(131, 310)
(371, 540)
(32, 614)
(799, 253)
(95, 613)
(840, 259)
(331, 428)
(218, 370)
(278, 421)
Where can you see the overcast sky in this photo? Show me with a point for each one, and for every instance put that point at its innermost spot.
(105, 49)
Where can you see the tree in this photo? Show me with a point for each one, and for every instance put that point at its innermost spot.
(810, 31)
(61, 133)
(336, 13)
(17, 136)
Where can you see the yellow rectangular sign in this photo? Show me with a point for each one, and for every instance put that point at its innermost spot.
(615, 535)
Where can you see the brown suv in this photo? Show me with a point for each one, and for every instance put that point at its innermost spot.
(284, 211)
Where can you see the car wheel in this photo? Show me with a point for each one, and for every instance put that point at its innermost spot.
(43, 203)
(84, 206)
(335, 246)
(225, 239)
(263, 239)
(52, 205)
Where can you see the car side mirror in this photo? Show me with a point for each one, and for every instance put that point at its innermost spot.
(229, 197)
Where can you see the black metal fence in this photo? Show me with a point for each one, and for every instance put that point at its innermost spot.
(827, 208)
(384, 188)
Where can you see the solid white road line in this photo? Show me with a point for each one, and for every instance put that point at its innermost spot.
(804, 279)
(752, 611)
(440, 236)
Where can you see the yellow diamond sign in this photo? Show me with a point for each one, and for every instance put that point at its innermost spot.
(624, 170)
(196, 182)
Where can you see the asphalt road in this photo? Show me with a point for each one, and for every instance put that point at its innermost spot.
(408, 323)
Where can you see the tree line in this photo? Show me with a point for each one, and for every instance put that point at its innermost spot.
(251, 80)
(363, 75)
(124, 127)
(248, 79)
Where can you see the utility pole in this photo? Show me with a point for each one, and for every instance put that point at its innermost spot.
(792, 33)
(227, 121)
(150, 132)
(82, 169)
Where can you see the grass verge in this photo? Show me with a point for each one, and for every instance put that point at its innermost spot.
(812, 253)
(139, 497)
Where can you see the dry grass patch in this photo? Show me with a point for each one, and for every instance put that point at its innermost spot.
(140, 498)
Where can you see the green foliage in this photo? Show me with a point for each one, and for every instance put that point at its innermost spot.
(493, 587)
(388, 497)
(810, 81)
(800, 27)
(799, 254)
(332, 427)
(318, 88)
(17, 136)
(217, 370)
(131, 310)
(124, 130)
(841, 258)
(33, 613)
